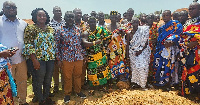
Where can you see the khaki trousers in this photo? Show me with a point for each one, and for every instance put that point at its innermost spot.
(19, 73)
(69, 69)
(56, 72)
(83, 76)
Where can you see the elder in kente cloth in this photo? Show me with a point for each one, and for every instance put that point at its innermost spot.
(190, 52)
(165, 57)
(95, 40)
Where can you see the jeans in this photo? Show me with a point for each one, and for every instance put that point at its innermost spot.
(43, 78)
(31, 71)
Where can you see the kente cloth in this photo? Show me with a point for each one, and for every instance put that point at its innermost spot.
(116, 55)
(190, 71)
(140, 64)
(165, 66)
(98, 71)
(6, 97)
(153, 35)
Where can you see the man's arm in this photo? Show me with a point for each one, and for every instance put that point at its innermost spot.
(86, 43)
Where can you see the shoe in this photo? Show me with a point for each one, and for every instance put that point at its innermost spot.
(24, 104)
(55, 90)
(35, 99)
(48, 101)
(81, 95)
(67, 98)
(42, 102)
(51, 94)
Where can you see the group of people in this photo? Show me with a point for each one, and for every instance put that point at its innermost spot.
(129, 49)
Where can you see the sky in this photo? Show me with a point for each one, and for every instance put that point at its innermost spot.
(25, 7)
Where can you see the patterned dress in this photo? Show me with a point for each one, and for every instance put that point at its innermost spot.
(6, 97)
(116, 55)
(190, 64)
(153, 35)
(165, 61)
(98, 69)
(139, 64)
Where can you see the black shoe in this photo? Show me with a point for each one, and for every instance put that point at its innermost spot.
(48, 101)
(24, 104)
(67, 98)
(51, 94)
(42, 103)
(35, 99)
(81, 95)
(56, 89)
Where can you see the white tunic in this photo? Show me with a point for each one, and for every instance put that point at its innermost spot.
(140, 64)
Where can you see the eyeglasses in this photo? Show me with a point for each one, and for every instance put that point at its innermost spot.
(9, 7)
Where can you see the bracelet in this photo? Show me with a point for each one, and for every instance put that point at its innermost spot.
(94, 43)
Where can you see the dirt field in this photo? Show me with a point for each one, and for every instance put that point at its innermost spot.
(126, 97)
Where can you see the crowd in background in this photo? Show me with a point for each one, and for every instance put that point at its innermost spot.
(90, 54)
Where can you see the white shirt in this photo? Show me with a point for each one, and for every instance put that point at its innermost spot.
(12, 35)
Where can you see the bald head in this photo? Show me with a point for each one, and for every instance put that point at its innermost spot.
(194, 10)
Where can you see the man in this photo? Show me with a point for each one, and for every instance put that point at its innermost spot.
(165, 63)
(113, 25)
(85, 18)
(183, 16)
(69, 53)
(101, 22)
(78, 16)
(190, 52)
(56, 23)
(143, 19)
(129, 14)
(95, 41)
(157, 18)
(81, 24)
(117, 49)
(93, 13)
(139, 56)
(11, 35)
(119, 17)
(176, 15)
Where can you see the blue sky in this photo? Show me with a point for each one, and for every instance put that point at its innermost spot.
(25, 7)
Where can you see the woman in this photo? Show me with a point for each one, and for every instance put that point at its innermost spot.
(139, 52)
(6, 80)
(40, 48)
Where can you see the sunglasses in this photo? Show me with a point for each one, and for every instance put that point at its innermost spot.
(9, 7)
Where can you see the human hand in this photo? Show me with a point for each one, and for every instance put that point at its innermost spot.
(98, 41)
(168, 44)
(192, 44)
(36, 64)
(59, 63)
(138, 52)
(7, 53)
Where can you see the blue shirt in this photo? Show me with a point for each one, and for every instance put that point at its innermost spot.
(12, 35)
